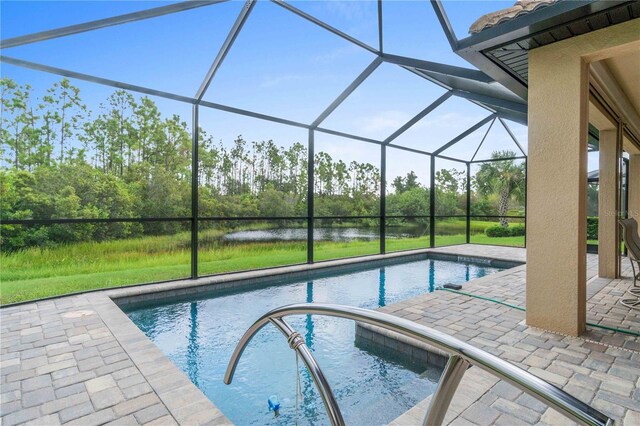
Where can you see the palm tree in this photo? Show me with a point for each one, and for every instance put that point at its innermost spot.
(505, 178)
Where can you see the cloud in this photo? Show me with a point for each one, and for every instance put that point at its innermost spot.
(357, 18)
(382, 122)
(338, 54)
(350, 10)
(449, 120)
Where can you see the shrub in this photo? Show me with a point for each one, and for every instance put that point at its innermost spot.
(497, 231)
(517, 230)
(592, 228)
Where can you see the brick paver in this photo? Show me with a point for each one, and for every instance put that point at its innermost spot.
(80, 360)
(601, 368)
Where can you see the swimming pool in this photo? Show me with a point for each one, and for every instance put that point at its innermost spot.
(199, 336)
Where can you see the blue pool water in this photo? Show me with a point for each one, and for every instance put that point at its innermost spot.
(200, 335)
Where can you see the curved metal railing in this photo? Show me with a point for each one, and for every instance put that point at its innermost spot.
(462, 355)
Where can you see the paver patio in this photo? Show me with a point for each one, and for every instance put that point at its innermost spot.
(80, 360)
(601, 368)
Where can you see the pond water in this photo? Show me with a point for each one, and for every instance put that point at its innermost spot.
(324, 234)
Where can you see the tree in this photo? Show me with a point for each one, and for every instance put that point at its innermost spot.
(450, 180)
(296, 156)
(7, 87)
(147, 122)
(505, 178)
(324, 174)
(120, 130)
(449, 192)
(407, 183)
(13, 135)
(127, 159)
(274, 203)
(414, 202)
(68, 111)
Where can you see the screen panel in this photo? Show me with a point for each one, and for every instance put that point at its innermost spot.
(239, 245)
(53, 259)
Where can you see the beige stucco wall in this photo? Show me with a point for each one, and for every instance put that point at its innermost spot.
(608, 240)
(634, 186)
(556, 191)
(557, 175)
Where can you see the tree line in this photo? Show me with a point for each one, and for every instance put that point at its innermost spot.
(127, 159)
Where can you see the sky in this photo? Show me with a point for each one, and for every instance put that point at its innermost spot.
(280, 64)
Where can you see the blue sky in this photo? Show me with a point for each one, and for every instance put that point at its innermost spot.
(280, 65)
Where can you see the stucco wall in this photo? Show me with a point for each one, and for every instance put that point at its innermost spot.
(608, 240)
(557, 170)
(634, 186)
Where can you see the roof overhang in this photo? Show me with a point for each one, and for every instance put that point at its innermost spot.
(501, 51)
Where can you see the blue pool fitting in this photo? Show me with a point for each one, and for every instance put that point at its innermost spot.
(274, 403)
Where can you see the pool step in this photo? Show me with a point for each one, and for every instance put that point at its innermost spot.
(395, 401)
(411, 353)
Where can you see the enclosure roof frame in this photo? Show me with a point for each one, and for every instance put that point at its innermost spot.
(473, 85)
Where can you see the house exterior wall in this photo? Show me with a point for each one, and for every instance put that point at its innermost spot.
(608, 205)
(557, 174)
(634, 186)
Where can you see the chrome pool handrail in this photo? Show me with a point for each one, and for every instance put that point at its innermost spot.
(297, 343)
(462, 356)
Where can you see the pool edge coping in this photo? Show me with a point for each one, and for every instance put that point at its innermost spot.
(239, 280)
(114, 299)
(186, 403)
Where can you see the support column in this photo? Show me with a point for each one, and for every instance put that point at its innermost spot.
(195, 134)
(383, 199)
(310, 195)
(468, 188)
(608, 236)
(556, 191)
(634, 186)
(432, 203)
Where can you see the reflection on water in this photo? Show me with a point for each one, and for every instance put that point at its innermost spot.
(324, 234)
(382, 300)
(199, 337)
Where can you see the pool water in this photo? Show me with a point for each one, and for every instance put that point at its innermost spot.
(199, 337)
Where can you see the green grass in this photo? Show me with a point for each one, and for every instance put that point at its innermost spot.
(36, 273)
(502, 241)
(459, 226)
(250, 256)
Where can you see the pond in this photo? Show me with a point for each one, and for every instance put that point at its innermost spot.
(324, 234)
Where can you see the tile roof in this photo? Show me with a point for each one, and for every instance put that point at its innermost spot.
(521, 7)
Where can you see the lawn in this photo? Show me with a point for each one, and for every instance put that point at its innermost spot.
(35, 273)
